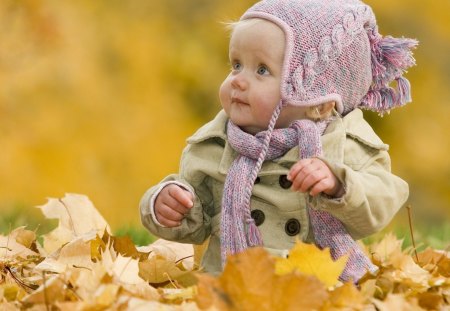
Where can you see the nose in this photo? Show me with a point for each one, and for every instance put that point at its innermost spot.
(239, 81)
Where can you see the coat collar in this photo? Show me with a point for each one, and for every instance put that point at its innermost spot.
(352, 125)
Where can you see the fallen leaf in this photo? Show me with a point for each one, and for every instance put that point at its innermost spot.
(397, 302)
(126, 269)
(76, 253)
(431, 301)
(48, 293)
(23, 236)
(106, 294)
(383, 250)
(158, 269)
(406, 268)
(432, 259)
(309, 259)
(10, 248)
(178, 295)
(296, 291)
(8, 306)
(345, 297)
(243, 276)
(171, 251)
(249, 282)
(77, 216)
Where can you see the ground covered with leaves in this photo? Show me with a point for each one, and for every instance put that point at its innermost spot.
(81, 266)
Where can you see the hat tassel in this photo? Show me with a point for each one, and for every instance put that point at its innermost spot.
(391, 57)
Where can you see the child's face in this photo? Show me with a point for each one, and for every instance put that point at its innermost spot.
(251, 91)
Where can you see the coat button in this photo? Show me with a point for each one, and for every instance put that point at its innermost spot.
(284, 182)
(258, 216)
(292, 227)
(257, 180)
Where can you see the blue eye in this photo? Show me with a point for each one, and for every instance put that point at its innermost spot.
(262, 70)
(236, 66)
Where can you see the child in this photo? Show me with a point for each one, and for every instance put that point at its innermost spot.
(290, 155)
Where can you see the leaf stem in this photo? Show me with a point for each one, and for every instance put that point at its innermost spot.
(412, 232)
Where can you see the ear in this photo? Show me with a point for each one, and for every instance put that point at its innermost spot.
(326, 109)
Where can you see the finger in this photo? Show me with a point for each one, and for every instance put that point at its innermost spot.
(311, 179)
(321, 186)
(297, 167)
(175, 204)
(167, 222)
(297, 182)
(169, 213)
(303, 174)
(182, 196)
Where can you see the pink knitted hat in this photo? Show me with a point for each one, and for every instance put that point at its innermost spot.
(335, 53)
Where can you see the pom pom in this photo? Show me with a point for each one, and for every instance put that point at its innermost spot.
(390, 57)
(404, 90)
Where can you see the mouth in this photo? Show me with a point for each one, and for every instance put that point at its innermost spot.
(237, 100)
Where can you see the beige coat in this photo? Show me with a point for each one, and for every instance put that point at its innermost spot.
(355, 154)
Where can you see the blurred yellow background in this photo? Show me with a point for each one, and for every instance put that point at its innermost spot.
(98, 97)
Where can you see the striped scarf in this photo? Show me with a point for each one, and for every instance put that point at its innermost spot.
(238, 228)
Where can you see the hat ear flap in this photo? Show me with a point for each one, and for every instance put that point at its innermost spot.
(390, 57)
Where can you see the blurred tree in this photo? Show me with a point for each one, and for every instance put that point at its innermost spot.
(98, 97)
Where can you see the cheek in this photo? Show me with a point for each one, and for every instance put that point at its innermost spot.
(268, 99)
(224, 94)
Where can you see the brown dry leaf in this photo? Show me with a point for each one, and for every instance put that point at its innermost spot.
(406, 268)
(245, 284)
(368, 288)
(248, 280)
(178, 295)
(85, 281)
(48, 293)
(8, 306)
(126, 269)
(397, 302)
(309, 259)
(98, 246)
(10, 248)
(296, 291)
(144, 291)
(171, 251)
(77, 217)
(136, 304)
(383, 250)
(22, 236)
(11, 291)
(210, 294)
(106, 295)
(158, 270)
(431, 301)
(346, 297)
(125, 246)
(435, 260)
(77, 253)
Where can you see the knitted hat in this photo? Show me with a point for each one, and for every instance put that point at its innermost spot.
(335, 53)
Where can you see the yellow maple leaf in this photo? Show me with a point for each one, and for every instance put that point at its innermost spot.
(309, 259)
(249, 282)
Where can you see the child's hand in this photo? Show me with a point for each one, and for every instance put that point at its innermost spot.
(314, 176)
(172, 204)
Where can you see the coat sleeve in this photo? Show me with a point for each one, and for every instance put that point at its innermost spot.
(196, 226)
(373, 195)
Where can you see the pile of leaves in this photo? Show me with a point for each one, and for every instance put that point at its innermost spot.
(81, 266)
